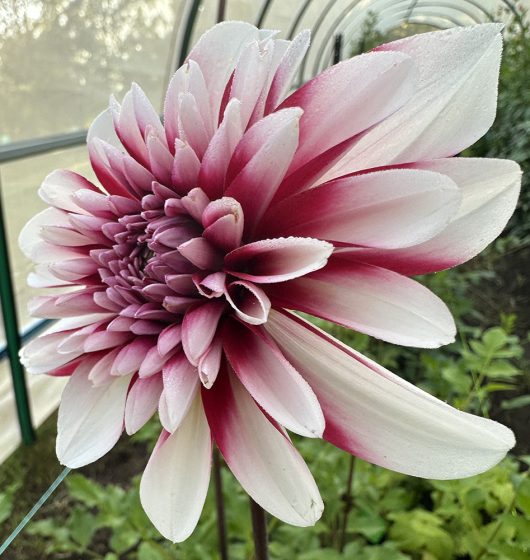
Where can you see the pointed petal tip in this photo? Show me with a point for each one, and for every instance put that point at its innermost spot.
(403, 429)
(501, 440)
(173, 498)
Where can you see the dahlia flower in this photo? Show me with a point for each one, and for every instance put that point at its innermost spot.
(249, 203)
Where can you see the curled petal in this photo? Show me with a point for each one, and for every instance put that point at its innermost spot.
(250, 302)
(195, 202)
(211, 285)
(201, 253)
(224, 223)
(199, 327)
(210, 363)
(277, 260)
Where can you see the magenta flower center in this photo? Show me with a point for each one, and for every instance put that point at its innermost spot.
(170, 254)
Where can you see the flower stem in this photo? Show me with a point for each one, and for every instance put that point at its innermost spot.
(220, 505)
(259, 531)
(348, 503)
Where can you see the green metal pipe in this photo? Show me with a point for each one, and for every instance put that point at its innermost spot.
(297, 18)
(188, 30)
(221, 8)
(26, 148)
(9, 313)
(263, 13)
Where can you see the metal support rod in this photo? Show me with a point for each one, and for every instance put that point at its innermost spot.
(221, 8)
(297, 18)
(262, 14)
(35, 146)
(28, 334)
(220, 505)
(337, 49)
(42, 500)
(188, 30)
(259, 531)
(412, 7)
(9, 313)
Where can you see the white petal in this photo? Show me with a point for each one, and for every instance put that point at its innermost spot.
(90, 419)
(454, 105)
(271, 380)
(142, 402)
(287, 68)
(390, 208)
(372, 300)
(31, 242)
(175, 481)
(260, 455)
(181, 381)
(41, 354)
(489, 188)
(381, 418)
(102, 127)
(217, 53)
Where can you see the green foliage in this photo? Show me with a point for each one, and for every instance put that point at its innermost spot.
(6, 502)
(370, 36)
(391, 517)
(481, 364)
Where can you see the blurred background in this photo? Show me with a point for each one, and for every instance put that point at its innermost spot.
(59, 62)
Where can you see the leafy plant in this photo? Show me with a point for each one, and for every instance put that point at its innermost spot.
(393, 517)
(6, 502)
